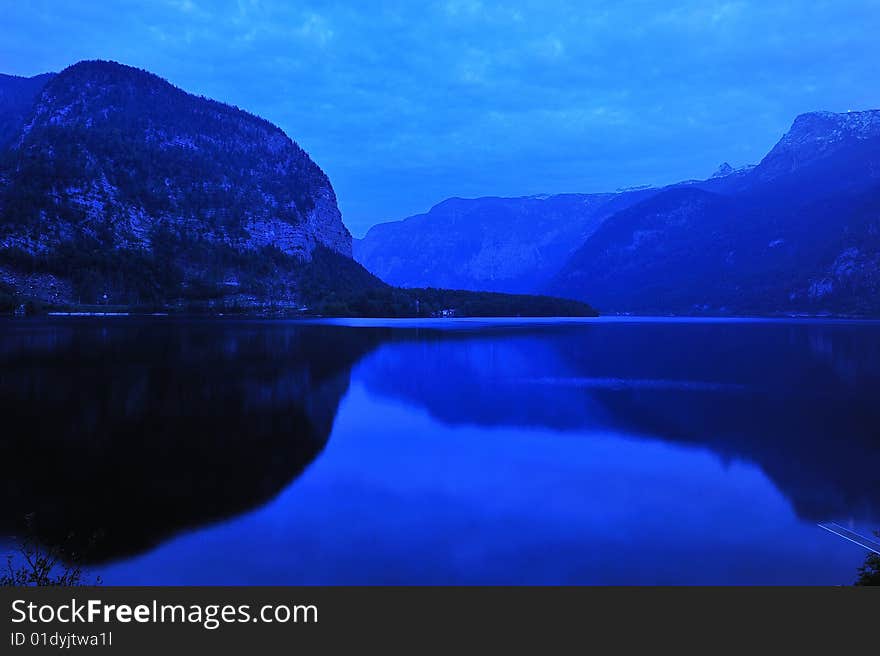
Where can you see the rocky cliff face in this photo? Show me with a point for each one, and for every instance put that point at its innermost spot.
(816, 135)
(111, 159)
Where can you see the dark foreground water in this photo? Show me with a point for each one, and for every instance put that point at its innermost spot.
(638, 452)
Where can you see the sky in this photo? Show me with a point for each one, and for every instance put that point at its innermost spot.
(407, 103)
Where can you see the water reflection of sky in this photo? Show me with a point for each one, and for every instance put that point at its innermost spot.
(400, 497)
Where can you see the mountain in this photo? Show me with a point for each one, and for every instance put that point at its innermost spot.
(795, 234)
(498, 244)
(723, 171)
(17, 97)
(799, 233)
(120, 184)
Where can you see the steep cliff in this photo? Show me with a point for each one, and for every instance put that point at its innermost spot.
(119, 184)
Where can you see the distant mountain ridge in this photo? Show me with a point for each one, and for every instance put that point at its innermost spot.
(796, 233)
(510, 245)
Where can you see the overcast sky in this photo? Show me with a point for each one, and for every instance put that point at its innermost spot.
(406, 103)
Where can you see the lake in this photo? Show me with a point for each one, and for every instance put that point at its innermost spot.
(608, 451)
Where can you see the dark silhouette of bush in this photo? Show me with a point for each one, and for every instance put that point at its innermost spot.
(38, 565)
(869, 573)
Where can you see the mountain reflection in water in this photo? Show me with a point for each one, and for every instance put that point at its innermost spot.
(119, 434)
(134, 431)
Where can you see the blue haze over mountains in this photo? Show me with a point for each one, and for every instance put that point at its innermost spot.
(798, 233)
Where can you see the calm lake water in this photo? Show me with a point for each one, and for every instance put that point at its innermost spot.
(603, 451)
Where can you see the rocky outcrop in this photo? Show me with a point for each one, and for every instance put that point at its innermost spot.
(321, 225)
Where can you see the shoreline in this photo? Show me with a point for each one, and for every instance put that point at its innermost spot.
(378, 321)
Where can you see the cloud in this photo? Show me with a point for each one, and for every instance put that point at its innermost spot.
(404, 104)
(457, 8)
(315, 28)
(550, 47)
